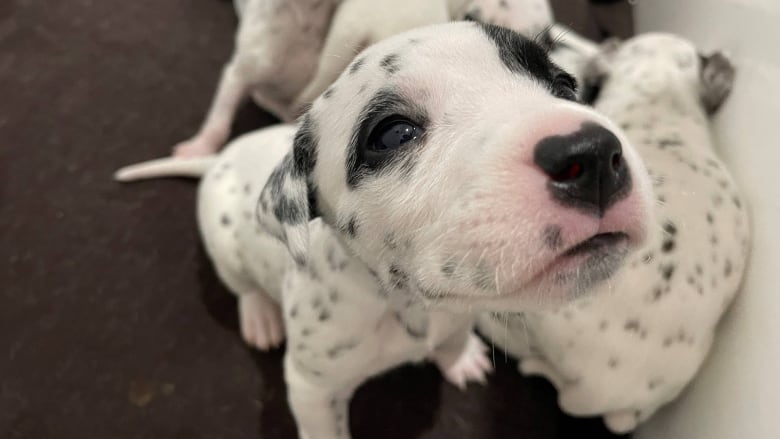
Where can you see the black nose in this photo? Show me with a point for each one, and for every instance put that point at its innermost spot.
(586, 168)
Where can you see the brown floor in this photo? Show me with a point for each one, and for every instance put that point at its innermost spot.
(112, 323)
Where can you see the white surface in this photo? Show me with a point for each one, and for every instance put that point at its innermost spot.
(737, 395)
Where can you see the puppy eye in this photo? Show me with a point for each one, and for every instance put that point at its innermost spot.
(394, 133)
(564, 86)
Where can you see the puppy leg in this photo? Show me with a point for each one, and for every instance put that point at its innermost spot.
(462, 359)
(260, 317)
(261, 320)
(341, 46)
(320, 410)
(216, 128)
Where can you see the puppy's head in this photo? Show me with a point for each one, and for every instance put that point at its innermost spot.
(656, 64)
(455, 164)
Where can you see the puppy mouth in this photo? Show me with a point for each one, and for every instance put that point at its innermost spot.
(597, 243)
(587, 262)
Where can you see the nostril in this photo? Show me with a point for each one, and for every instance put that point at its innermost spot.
(571, 172)
(617, 161)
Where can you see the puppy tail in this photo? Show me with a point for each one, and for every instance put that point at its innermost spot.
(166, 167)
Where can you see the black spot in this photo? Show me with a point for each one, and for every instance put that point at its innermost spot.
(390, 241)
(350, 227)
(652, 384)
(341, 348)
(699, 270)
(357, 65)
(663, 143)
(737, 202)
(727, 269)
(288, 211)
(667, 271)
(657, 294)
(612, 363)
(668, 342)
(552, 237)
(324, 315)
(632, 325)
(390, 63)
(670, 228)
(329, 92)
(667, 246)
(304, 149)
(710, 218)
(225, 220)
(293, 311)
(398, 278)
(448, 268)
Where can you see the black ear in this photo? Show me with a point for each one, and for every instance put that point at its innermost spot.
(285, 206)
(598, 69)
(717, 79)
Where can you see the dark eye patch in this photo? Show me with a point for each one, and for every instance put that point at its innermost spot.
(526, 57)
(564, 86)
(387, 129)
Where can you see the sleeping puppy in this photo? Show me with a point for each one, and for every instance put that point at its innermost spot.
(359, 23)
(635, 345)
(529, 17)
(276, 50)
(414, 195)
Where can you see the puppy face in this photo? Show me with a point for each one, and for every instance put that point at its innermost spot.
(657, 64)
(450, 159)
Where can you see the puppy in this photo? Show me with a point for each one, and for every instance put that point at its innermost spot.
(415, 194)
(529, 17)
(633, 347)
(360, 23)
(277, 45)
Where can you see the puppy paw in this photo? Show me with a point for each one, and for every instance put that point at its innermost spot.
(621, 422)
(261, 321)
(472, 365)
(195, 147)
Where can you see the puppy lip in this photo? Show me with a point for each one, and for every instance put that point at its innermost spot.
(596, 245)
(599, 241)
